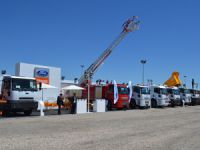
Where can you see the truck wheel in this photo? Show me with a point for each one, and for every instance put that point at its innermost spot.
(5, 113)
(27, 112)
(132, 104)
(154, 103)
(172, 103)
(109, 105)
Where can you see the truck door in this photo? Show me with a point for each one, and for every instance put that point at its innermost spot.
(137, 95)
(6, 88)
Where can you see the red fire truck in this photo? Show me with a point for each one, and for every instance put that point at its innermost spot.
(107, 91)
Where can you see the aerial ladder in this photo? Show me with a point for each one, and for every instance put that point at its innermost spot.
(130, 25)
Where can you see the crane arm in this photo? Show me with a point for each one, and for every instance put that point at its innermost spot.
(130, 25)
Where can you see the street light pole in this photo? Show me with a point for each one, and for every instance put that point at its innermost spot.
(185, 80)
(88, 107)
(82, 66)
(143, 61)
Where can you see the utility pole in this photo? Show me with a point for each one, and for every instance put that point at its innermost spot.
(82, 66)
(185, 80)
(143, 62)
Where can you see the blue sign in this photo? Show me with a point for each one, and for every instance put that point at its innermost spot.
(42, 73)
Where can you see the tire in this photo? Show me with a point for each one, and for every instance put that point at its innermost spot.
(109, 105)
(27, 112)
(132, 104)
(154, 103)
(172, 103)
(5, 113)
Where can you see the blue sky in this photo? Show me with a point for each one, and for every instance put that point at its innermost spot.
(68, 33)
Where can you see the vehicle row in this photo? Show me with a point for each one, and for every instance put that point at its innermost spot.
(161, 96)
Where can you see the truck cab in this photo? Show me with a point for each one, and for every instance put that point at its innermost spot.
(123, 96)
(174, 96)
(185, 95)
(195, 97)
(19, 94)
(159, 96)
(141, 97)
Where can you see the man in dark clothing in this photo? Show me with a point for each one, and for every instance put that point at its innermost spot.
(74, 101)
(59, 103)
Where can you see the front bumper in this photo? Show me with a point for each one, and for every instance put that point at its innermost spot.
(20, 105)
(175, 102)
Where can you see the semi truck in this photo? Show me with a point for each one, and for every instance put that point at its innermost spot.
(185, 96)
(159, 97)
(18, 94)
(195, 97)
(140, 97)
(174, 96)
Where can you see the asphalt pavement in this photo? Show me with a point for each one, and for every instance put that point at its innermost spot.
(153, 129)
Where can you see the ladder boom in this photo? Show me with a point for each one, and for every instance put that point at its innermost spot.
(130, 25)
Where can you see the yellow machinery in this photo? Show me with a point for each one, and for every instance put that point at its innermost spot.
(174, 80)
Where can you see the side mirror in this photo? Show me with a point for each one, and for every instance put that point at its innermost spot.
(40, 86)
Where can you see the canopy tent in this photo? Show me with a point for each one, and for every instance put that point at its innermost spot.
(47, 86)
(72, 87)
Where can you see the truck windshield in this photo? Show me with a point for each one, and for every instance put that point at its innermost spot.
(176, 92)
(186, 91)
(163, 91)
(145, 90)
(122, 90)
(24, 85)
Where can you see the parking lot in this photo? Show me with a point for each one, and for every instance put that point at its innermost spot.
(169, 128)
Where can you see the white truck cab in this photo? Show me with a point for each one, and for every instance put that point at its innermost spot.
(141, 97)
(19, 94)
(159, 97)
(195, 97)
(174, 96)
(185, 95)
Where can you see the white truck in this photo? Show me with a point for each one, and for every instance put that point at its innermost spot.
(195, 97)
(185, 96)
(159, 97)
(18, 94)
(140, 97)
(174, 96)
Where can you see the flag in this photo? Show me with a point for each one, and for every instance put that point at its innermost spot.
(130, 90)
(115, 92)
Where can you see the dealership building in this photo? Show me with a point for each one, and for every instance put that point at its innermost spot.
(45, 74)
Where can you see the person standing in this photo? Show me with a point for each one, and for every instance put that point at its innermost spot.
(74, 101)
(59, 103)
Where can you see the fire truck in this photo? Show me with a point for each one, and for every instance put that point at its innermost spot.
(122, 98)
(107, 91)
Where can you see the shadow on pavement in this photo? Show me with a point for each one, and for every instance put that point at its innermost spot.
(36, 113)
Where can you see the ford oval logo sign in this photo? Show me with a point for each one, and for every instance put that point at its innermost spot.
(42, 73)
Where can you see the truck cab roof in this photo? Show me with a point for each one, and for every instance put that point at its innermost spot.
(159, 86)
(142, 86)
(19, 77)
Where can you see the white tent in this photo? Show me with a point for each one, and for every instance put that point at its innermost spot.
(72, 87)
(47, 86)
